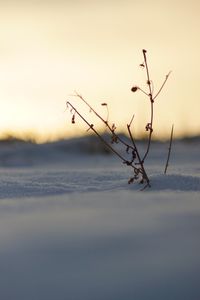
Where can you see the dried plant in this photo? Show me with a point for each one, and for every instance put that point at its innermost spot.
(135, 160)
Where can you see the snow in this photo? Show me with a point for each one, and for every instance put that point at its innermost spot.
(72, 228)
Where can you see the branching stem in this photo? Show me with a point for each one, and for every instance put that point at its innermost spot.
(150, 125)
(104, 121)
(144, 174)
(91, 126)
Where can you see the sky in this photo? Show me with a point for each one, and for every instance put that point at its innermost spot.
(51, 48)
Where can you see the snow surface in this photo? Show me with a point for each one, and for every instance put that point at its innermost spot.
(72, 228)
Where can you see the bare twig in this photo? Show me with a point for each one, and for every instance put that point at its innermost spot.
(143, 91)
(149, 126)
(169, 150)
(107, 110)
(131, 121)
(162, 86)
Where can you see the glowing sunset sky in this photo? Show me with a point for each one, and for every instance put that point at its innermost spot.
(48, 49)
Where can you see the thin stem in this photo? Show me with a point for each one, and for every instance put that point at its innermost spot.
(169, 150)
(150, 134)
(143, 91)
(131, 121)
(147, 71)
(107, 117)
(162, 86)
(90, 107)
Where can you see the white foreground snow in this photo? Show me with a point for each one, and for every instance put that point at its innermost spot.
(71, 228)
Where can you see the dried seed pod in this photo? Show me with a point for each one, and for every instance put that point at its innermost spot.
(134, 89)
(149, 127)
(73, 119)
(113, 127)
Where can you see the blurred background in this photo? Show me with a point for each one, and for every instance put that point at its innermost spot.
(51, 48)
